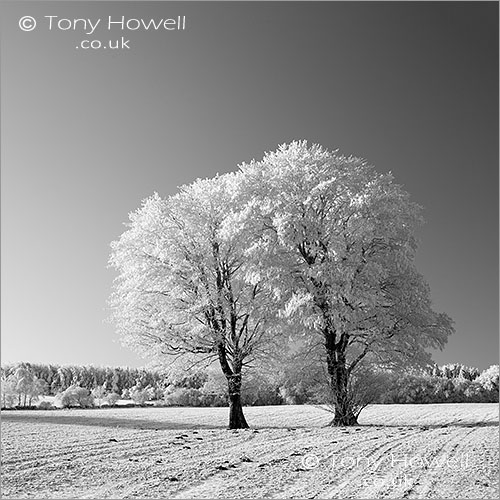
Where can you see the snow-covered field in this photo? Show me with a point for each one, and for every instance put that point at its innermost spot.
(398, 451)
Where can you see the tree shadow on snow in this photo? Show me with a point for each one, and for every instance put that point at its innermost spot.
(114, 422)
(55, 418)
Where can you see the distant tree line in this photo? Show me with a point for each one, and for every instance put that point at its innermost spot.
(452, 383)
(296, 382)
(29, 380)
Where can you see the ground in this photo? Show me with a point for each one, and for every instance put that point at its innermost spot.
(397, 451)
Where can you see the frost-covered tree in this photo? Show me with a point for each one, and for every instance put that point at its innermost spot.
(139, 396)
(76, 396)
(99, 393)
(24, 380)
(38, 388)
(187, 285)
(489, 378)
(9, 394)
(338, 245)
(112, 398)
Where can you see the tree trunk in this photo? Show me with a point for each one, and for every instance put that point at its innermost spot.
(236, 418)
(233, 376)
(344, 414)
(339, 378)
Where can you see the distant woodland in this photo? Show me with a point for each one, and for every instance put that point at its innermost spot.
(25, 384)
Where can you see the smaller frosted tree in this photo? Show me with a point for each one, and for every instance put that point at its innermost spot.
(139, 396)
(38, 388)
(99, 393)
(76, 396)
(112, 398)
(187, 286)
(9, 394)
(489, 378)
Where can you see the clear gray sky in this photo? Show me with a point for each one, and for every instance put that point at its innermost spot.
(87, 134)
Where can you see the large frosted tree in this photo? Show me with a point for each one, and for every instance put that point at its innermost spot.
(186, 285)
(337, 243)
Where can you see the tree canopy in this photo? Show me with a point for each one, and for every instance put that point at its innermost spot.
(338, 241)
(305, 239)
(188, 287)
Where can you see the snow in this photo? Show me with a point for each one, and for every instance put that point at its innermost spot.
(411, 451)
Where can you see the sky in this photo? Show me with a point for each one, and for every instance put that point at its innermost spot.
(88, 133)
